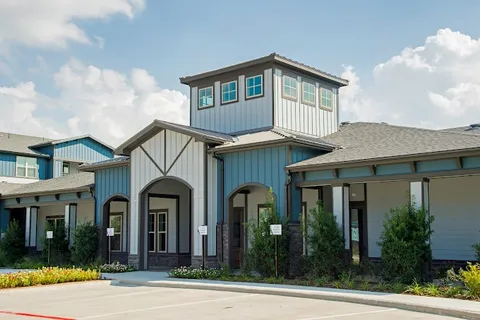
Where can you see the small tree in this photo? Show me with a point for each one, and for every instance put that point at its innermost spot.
(405, 243)
(261, 254)
(325, 243)
(85, 243)
(12, 245)
(59, 250)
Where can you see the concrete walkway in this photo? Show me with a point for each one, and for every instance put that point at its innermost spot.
(441, 306)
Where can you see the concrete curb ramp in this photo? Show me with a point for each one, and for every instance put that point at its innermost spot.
(358, 297)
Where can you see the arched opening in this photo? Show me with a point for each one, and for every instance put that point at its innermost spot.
(116, 215)
(245, 204)
(165, 224)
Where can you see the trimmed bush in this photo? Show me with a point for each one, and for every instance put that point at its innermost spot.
(404, 243)
(471, 279)
(195, 273)
(13, 243)
(325, 244)
(476, 247)
(261, 254)
(85, 243)
(59, 246)
(46, 276)
(115, 267)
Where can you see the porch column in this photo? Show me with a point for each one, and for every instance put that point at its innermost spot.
(70, 221)
(31, 214)
(341, 210)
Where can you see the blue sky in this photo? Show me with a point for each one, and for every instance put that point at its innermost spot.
(170, 39)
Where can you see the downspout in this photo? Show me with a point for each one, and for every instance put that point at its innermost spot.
(222, 198)
(287, 193)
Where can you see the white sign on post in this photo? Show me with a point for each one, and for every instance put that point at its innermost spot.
(49, 234)
(275, 229)
(110, 232)
(202, 230)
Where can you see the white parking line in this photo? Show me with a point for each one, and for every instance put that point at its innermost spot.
(348, 314)
(113, 296)
(166, 306)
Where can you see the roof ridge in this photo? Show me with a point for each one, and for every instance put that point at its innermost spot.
(440, 131)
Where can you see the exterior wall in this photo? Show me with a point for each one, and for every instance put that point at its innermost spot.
(58, 168)
(297, 116)
(82, 150)
(108, 183)
(164, 149)
(246, 114)
(8, 163)
(4, 217)
(261, 166)
(381, 197)
(455, 203)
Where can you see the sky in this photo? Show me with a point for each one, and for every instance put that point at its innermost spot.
(110, 67)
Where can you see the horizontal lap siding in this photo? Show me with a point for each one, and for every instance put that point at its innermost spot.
(262, 166)
(7, 165)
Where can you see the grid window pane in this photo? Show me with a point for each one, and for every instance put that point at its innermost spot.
(116, 223)
(162, 222)
(21, 161)
(31, 162)
(21, 171)
(151, 242)
(254, 86)
(309, 93)
(162, 242)
(205, 97)
(151, 222)
(116, 244)
(31, 172)
(229, 91)
(290, 87)
(327, 98)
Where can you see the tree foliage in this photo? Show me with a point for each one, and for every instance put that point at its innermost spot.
(12, 244)
(85, 243)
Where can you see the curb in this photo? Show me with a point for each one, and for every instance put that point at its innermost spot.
(298, 293)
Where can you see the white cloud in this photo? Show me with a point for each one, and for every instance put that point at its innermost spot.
(51, 23)
(434, 85)
(105, 103)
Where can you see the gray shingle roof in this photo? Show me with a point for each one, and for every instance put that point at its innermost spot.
(20, 144)
(374, 141)
(6, 186)
(117, 161)
(273, 58)
(274, 135)
(72, 182)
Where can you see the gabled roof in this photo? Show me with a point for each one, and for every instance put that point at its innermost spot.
(21, 144)
(7, 186)
(69, 183)
(273, 136)
(364, 142)
(158, 125)
(118, 161)
(471, 129)
(273, 58)
(85, 136)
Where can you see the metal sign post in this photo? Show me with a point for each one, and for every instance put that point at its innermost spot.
(276, 230)
(49, 238)
(110, 234)
(203, 231)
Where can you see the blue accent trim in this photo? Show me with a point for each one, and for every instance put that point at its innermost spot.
(42, 168)
(261, 166)
(319, 175)
(4, 217)
(471, 162)
(303, 153)
(437, 165)
(108, 183)
(354, 172)
(7, 164)
(83, 150)
(389, 169)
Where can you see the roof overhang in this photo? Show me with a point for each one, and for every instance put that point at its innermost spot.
(156, 127)
(26, 154)
(439, 155)
(272, 58)
(86, 188)
(92, 167)
(85, 136)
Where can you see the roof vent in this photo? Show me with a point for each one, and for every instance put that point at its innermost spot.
(475, 126)
(345, 123)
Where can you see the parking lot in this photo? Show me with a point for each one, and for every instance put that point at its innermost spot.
(100, 300)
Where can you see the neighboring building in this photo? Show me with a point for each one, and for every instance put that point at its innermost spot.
(271, 123)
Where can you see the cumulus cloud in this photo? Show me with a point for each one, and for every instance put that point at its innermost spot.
(51, 23)
(435, 85)
(105, 103)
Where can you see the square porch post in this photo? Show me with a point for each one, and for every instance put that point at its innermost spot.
(341, 210)
(70, 221)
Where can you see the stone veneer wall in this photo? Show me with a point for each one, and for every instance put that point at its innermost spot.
(222, 243)
(210, 262)
(294, 263)
(121, 257)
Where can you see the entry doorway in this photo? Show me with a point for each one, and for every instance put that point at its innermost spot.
(358, 232)
(238, 237)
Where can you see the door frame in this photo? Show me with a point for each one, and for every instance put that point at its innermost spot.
(363, 228)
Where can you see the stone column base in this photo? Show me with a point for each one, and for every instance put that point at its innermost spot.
(134, 260)
(294, 262)
(210, 262)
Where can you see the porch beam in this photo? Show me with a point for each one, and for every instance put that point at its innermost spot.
(335, 173)
(36, 198)
(459, 162)
(373, 170)
(57, 196)
(413, 166)
(79, 195)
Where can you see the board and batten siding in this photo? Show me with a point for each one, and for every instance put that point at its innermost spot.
(188, 168)
(244, 115)
(261, 166)
(297, 116)
(82, 150)
(110, 182)
(8, 165)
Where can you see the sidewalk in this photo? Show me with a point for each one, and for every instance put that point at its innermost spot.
(440, 306)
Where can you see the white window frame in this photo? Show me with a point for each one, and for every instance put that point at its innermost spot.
(200, 96)
(329, 108)
(26, 166)
(116, 232)
(229, 91)
(305, 101)
(55, 220)
(284, 84)
(157, 232)
(261, 87)
(63, 168)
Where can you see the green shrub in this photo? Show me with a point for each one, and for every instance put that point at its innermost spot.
(326, 244)
(476, 247)
(13, 243)
(261, 254)
(404, 243)
(471, 279)
(3, 259)
(59, 246)
(195, 273)
(85, 243)
(115, 267)
(29, 263)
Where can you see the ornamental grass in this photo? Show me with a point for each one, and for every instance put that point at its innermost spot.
(46, 276)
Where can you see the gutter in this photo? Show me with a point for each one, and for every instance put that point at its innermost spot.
(32, 194)
(222, 198)
(287, 193)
